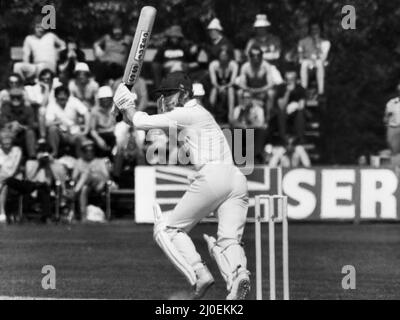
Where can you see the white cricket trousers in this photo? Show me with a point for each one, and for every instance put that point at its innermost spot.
(218, 188)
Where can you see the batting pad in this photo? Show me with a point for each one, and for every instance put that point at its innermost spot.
(217, 253)
(163, 239)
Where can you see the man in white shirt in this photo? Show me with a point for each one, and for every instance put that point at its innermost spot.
(40, 51)
(313, 53)
(83, 86)
(218, 186)
(260, 78)
(10, 159)
(392, 122)
(67, 120)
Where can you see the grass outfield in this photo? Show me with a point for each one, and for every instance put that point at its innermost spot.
(120, 261)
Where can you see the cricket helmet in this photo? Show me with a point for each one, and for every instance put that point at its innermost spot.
(175, 81)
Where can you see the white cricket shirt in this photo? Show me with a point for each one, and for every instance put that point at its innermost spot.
(197, 130)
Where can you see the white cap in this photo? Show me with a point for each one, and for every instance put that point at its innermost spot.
(105, 92)
(261, 21)
(81, 66)
(215, 25)
(198, 89)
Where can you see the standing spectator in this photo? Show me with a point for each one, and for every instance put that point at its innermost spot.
(111, 52)
(10, 158)
(14, 80)
(291, 102)
(392, 122)
(257, 77)
(223, 74)
(83, 86)
(218, 39)
(313, 53)
(173, 56)
(40, 51)
(64, 120)
(270, 44)
(69, 57)
(19, 118)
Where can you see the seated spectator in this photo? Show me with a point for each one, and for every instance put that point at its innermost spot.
(19, 118)
(258, 77)
(10, 159)
(64, 121)
(218, 39)
(249, 114)
(41, 178)
(173, 56)
(130, 143)
(69, 57)
(392, 122)
(140, 89)
(198, 92)
(40, 51)
(83, 86)
(269, 44)
(291, 156)
(14, 80)
(111, 52)
(90, 174)
(102, 122)
(313, 53)
(223, 74)
(291, 103)
(39, 93)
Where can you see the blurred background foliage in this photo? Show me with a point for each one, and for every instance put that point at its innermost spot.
(364, 63)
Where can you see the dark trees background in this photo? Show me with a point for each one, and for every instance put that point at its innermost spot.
(364, 63)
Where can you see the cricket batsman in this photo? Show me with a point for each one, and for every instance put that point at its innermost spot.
(218, 186)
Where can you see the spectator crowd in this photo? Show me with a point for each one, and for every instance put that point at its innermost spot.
(59, 141)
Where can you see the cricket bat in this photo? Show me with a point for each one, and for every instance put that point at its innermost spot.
(138, 49)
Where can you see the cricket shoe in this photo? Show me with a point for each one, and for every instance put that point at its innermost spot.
(204, 281)
(240, 286)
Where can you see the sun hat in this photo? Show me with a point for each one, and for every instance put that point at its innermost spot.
(215, 24)
(261, 21)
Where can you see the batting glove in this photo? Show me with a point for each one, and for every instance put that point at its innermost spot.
(123, 98)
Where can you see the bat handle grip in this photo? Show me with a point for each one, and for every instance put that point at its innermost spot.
(118, 115)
